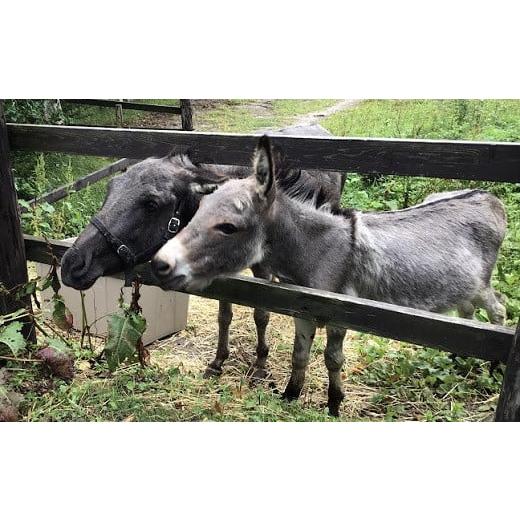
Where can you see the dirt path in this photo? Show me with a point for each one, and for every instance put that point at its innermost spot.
(314, 117)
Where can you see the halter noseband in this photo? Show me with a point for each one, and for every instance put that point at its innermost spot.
(125, 253)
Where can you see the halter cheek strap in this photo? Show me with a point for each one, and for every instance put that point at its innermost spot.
(121, 249)
(125, 253)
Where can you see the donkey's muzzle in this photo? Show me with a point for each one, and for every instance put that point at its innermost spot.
(166, 273)
(75, 268)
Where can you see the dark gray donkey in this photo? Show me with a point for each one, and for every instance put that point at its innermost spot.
(436, 256)
(153, 200)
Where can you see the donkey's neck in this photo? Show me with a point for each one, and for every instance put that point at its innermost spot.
(304, 245)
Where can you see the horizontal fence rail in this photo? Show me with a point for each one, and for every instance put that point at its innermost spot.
(127, 105)
(63, 191)
(462, 337)
(444, 159)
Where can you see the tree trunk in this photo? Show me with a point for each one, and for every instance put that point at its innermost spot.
(13, 265)
(186, 114)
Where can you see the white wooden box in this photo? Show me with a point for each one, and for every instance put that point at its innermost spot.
(166, 312)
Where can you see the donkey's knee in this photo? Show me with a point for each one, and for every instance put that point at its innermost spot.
(261, 321)
(261, 318)
(466, 310)
(495, 310)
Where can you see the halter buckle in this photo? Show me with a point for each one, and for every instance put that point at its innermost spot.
(173, 225)
(124, 253)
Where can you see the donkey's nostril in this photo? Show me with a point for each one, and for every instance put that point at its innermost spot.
(78, 265)
(161, 267)
(74, 264)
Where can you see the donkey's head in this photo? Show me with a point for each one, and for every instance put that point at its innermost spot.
(228, 232)
(144, 207)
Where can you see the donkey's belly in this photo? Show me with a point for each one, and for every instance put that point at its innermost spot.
(436, 291)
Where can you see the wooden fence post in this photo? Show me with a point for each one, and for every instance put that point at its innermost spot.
(13, 264)
(508, 408)
(186, 114)
(119, 115)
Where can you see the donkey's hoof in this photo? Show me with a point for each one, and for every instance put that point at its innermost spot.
(290, 394)
(211, 372)
(259, 375)
(334, 401)
(333, 410)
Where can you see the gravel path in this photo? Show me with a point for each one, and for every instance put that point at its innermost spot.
(314, 117)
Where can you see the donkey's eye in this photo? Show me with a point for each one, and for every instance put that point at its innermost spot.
(150, 205)
(226, 228)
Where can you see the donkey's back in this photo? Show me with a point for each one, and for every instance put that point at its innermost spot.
(437, 255)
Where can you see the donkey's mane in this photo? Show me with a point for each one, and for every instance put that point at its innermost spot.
(208, 173)
(287, 179)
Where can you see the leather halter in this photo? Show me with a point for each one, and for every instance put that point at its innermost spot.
(125, 253)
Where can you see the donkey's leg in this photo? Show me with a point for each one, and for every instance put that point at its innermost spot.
(225, 315)
(495, 310)
(303, 338)
(261, 321)
(334, 359)
(466, 310)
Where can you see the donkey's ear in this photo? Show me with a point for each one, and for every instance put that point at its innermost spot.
(203, 189)
(264, 168)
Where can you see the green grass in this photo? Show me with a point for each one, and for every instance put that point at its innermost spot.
(154, 394)
(413, 383)
(294, 107)
(497, 120)
(385, 381)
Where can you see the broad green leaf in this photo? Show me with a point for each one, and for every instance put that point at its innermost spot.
(124, 333)
(61, 315)
(11, 336)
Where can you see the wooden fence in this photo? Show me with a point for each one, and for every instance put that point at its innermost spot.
(184, 109)
(445, 159)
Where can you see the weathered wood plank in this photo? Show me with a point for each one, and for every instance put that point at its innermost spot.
(140, 128)
(38, 249)
(508, 408)
(186, 115)
(443, 159)
(83, 182)
(126, 105)
(462, 337)
(13, 266)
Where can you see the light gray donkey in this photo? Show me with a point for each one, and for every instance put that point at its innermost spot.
(436, 256)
